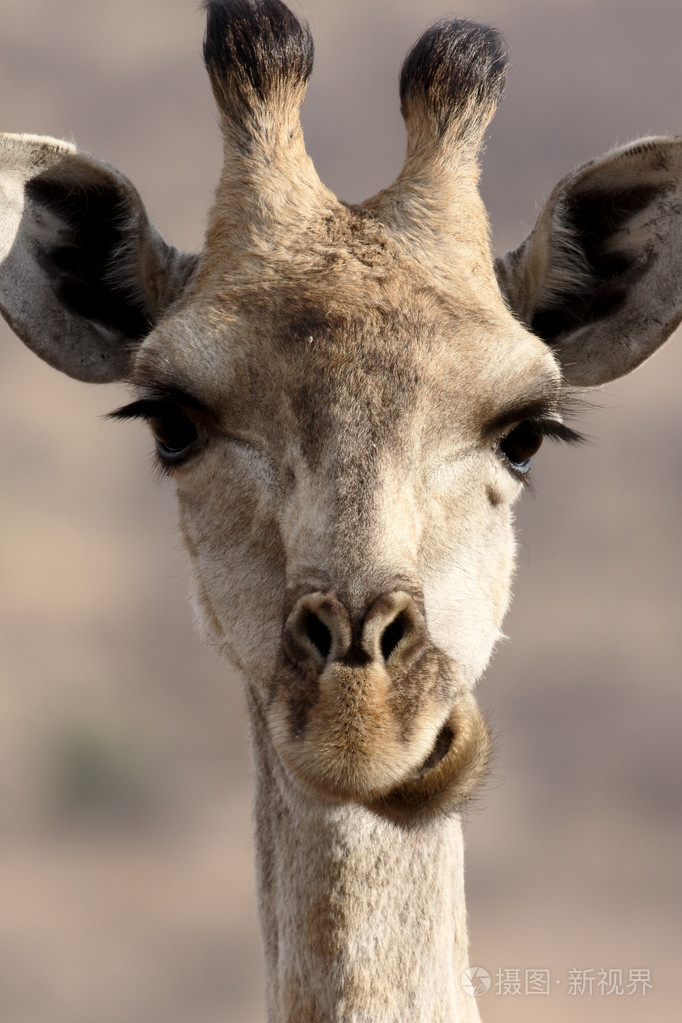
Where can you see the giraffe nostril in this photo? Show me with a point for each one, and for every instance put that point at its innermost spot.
(392, 635)
(318, 626)
(318, 634)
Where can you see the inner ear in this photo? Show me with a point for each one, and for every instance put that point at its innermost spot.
(85, 253)
(593, 220)
(84, 275)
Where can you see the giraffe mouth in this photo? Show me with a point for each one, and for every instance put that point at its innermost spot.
(440, 749)
(353, 746)
(458, 762)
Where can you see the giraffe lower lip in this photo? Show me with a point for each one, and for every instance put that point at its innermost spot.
(440, 749)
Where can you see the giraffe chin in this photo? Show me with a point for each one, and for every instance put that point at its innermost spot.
(355, 750)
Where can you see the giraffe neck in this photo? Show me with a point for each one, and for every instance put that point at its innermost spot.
(362, 921)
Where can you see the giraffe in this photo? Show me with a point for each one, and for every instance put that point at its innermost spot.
(348, 400)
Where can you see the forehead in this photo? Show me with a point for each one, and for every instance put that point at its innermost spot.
(337, 334)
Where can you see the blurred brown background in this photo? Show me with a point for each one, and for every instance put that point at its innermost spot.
(126, 885)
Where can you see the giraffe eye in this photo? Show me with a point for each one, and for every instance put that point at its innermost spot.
(520, 444)
(175, 434)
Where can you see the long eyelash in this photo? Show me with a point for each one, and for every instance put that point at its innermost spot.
(145, 408)
(570, 406)
(558, 431)
(156, 403)
(574, 404)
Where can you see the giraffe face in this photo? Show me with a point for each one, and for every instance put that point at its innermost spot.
(345, 480)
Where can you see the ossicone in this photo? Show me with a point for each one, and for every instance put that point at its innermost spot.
(258, 56)
(452, 80)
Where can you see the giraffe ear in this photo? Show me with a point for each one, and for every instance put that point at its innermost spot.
(600, 276)
(83, 274)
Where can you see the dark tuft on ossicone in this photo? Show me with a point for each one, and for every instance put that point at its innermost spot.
(252, 50)
(458, 71)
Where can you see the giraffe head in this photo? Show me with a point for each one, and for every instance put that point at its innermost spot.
(347, 398)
